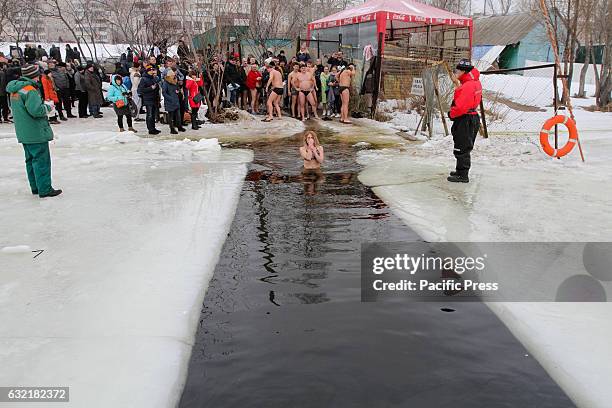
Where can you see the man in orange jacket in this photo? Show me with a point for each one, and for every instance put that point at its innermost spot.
(466, 121)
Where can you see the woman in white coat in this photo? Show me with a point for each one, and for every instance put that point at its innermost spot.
(135, 78)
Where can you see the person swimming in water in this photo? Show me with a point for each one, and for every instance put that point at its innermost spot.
(312, 151)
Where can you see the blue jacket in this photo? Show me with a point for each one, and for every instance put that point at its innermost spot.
(115, 92)
(149, 95)
(171, 97)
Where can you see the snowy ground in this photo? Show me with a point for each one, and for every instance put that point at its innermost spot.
(517, 193)
(111, 306)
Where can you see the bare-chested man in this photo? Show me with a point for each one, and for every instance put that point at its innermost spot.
(306, 86)
(294, 86)
(276, 93)
(345, 80)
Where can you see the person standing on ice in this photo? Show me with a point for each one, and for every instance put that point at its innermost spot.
(148, 91)
(33, 129)
(466, 121)
(119, 95)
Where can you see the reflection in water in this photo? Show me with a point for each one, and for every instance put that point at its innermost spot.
(283, 325)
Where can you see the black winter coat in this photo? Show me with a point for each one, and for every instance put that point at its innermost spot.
(148, 93)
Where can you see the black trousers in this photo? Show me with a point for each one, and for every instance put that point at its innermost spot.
(128, 118)
(4, 107)
(151, 115)
(194, 117)
(464, 132)
(174, 121)
(183, 107)
(83, 103)
(64, 102)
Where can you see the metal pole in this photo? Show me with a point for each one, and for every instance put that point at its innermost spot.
(484, 120)
(555, 104)
(318, 45)
(340, 42)
(503, 71)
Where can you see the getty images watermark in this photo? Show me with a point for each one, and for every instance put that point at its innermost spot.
(508, 272)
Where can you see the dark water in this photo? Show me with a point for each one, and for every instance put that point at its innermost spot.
(282, 323)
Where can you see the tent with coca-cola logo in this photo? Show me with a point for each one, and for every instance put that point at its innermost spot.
(393, 18)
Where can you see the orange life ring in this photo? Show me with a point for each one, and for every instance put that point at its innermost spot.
(547, 131)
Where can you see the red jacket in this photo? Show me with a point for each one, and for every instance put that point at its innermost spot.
(252, 78)
(467, 97)
(193, 88)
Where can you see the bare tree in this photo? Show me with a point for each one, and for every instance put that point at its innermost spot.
(56, 9)
(605, 82)
(19, 20)
(500, 7)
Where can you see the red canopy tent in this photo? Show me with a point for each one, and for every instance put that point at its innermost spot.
(393, 13)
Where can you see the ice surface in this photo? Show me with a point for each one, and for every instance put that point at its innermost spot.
(17, 249)
(111, 306)
(516, 193)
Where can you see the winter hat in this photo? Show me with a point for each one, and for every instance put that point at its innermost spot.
(30, 71)
(465, 65)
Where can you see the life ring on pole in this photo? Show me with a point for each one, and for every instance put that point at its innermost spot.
(547, 131)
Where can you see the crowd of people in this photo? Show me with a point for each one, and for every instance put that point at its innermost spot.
(301, 86)
(172, 89)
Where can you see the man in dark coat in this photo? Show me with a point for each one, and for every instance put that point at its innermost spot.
(76, 54)
(69, 54)
(54, 53)
(62, 84)
(29, 54)
(130, 57)
(81, 91)
(183, 51)
(40, 52)
(465, 118)
(93, 86)
(148, 90)
(231, 79)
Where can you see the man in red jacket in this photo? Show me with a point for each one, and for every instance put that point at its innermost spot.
(465, 118)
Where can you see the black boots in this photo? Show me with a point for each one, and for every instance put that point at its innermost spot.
(456, 178)
(52, 193)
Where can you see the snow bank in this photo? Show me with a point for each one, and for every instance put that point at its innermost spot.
(250, 128)
(110, 308)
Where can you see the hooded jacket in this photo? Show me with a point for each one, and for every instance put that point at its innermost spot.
(116, 92)
(467, 96)
(29, 112)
